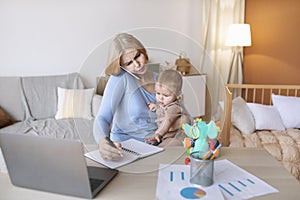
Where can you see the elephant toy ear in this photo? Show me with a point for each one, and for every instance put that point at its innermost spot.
(212, 131)
(186, 129)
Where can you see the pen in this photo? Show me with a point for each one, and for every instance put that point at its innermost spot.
(207, 155)
(215, 152)
(113, 145)
(211, 154)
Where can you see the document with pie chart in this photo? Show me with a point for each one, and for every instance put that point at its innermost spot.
(230, 182)
(174, 183)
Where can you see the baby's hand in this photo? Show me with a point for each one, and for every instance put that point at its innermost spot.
(154, 138)
(152, 107)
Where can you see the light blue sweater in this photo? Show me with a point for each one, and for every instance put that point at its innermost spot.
(124, 104)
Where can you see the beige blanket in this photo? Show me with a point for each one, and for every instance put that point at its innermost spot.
(283, 145)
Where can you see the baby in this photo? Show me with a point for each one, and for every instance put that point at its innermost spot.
(171, 114)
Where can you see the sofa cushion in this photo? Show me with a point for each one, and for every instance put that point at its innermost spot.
(10, 97)
(40, 93)
(74, 103)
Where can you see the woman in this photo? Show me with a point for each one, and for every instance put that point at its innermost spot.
(124, 113)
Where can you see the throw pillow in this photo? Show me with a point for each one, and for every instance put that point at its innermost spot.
(39, 93)
(289, 110)
(74, 103)
(5, 119)
(241, 116)
(266, 117)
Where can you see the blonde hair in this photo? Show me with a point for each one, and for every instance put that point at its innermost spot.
(122, 42)
(172, 80)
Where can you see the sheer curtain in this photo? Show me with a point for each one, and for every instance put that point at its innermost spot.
(217, 16)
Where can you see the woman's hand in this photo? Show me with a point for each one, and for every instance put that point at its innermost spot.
(108, 152)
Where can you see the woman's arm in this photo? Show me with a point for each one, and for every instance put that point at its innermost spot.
(112, 96)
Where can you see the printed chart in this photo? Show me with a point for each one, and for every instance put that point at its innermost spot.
(237, 183)
(236, 186)
(230, 182)
(174, 183)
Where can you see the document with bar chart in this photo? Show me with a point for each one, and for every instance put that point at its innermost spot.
(237, 183)
(230, 182)
(174, 183)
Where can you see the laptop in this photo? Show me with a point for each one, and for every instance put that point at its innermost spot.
(52, 165)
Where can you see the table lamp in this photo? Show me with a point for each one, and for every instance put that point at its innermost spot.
(238, 36)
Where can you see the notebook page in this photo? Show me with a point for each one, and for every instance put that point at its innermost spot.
(141, 148)
(126, 159)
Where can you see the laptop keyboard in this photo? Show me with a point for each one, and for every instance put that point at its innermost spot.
(95, 183)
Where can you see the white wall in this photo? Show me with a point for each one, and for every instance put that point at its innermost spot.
(39, 37)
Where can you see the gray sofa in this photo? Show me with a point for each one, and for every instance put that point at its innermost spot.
(32, 102)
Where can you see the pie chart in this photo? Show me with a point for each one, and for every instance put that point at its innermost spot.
(192, 193)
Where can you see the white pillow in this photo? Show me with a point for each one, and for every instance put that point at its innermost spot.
(74, 103)
(241, 116)
(266, 117)
(289, 110)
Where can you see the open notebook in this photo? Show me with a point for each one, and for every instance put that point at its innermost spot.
(132, 150)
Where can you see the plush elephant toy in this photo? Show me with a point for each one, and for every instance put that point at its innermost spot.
(198, 135)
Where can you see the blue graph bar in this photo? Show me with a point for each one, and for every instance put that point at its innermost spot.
(182, 175)
(234, 187)
(225, 190)
(171, 176)
(250, 181)
(243, 184)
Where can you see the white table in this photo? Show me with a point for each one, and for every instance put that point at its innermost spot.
(142, 185)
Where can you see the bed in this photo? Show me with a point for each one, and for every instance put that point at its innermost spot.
(265, 116)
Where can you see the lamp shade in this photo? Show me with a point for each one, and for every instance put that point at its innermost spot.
(238, 35)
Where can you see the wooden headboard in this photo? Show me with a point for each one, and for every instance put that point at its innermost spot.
(251, 93)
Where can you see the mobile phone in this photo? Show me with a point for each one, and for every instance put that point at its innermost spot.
(132, 74)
